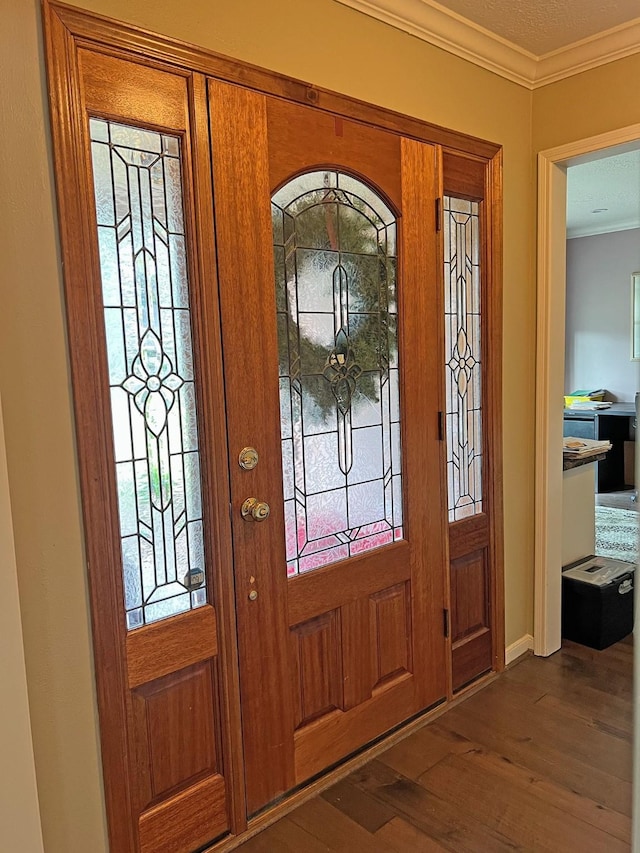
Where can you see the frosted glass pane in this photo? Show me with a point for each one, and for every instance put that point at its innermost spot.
(321, 463)
(326, 513)
(366, 503)
(122, 445)
(372, 202)
(178, 263)
(365, 406)
(99, 130)
(335, 282)
(315, 280)
(318, 405)
(138, 190)
(303, 185)
(397, 500)
(115, 346)
(126, 498)
(103, 185)
(287, 469)
(367, 455)
(358, 232)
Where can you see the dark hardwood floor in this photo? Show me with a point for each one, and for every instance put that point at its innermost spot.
(540, 760)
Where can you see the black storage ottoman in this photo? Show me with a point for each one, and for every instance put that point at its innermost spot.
(597, 601)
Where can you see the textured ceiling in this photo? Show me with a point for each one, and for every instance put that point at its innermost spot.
(612, 183)
(541, 26)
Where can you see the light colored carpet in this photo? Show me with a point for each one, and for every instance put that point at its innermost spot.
(617, 533)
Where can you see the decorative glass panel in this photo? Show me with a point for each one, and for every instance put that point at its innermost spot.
(138, 191)
(335, 277)
(463, 357)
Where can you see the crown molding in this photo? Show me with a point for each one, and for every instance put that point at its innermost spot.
(431, 22)
(613, 228)
(580, 56)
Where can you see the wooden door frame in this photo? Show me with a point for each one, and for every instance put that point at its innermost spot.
(551, 290)
(67, 30)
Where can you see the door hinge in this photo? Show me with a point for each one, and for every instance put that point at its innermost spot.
(440, 426)
(445, 615)
(438, 214)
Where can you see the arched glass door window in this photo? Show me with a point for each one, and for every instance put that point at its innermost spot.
(335, 277)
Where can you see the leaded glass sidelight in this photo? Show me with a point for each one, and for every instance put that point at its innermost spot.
(463, 357)
(138, 192)
(335, 277)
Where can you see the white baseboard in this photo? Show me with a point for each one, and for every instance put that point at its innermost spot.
(517, 649)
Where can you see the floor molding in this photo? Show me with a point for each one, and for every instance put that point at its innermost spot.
(518, 649)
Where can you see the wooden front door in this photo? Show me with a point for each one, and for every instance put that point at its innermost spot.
(255, 312)
(331, 324)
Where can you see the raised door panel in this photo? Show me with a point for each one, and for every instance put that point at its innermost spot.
(317, 667)
(469, 595)
(177, 714)
(470, 627)
(183, 796)
(390, 621)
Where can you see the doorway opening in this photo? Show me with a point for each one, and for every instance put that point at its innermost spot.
(551, 317)
(603, 252)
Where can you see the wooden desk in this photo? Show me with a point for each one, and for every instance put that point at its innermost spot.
(614, 424)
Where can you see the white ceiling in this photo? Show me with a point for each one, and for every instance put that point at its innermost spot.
(612, 183)
(542, 26)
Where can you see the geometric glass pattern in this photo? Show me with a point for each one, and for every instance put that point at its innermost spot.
(463, 357)
(335, 277)
(138, 193)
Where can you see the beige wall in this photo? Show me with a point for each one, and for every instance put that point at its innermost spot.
(317, 40)
(597, 101)
(19, 815)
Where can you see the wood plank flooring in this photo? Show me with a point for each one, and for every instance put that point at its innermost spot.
(540, 760)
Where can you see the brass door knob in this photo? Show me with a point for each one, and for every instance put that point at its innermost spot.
(254, 510)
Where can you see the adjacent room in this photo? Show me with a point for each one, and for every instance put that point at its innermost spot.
(603, 255)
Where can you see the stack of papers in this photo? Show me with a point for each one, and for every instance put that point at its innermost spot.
(585, 398)
(590, 405)
(572, 446)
